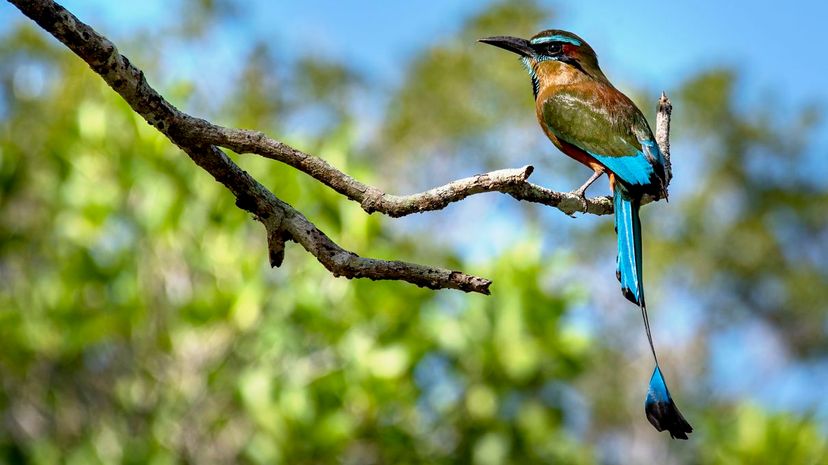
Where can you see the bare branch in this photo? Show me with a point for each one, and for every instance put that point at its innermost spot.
(665, 110)
(200, 139)
(510, 181)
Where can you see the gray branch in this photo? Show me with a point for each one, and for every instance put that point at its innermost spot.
(510, 181)
(665, 110)
(201, 140)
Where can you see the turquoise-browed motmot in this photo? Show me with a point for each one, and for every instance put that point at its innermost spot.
(590, 120)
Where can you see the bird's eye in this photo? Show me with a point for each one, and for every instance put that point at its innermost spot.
(554, 49)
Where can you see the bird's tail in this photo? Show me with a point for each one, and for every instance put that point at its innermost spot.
(662, 411)
(659, 406)
(628, 229)
(629, 261)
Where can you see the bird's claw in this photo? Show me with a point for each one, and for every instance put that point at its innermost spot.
(581, 194)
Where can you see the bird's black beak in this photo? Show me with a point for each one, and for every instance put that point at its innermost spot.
(512, 44)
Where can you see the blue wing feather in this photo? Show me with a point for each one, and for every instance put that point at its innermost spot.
(637, 168)
(632, 169)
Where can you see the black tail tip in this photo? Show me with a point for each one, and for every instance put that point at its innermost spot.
(630, 295)
(666, 416)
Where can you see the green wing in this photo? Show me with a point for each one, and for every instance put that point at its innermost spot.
(609, 127)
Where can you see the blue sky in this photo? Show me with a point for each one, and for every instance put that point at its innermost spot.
(650, 43)
(776, 47)
(642, 44)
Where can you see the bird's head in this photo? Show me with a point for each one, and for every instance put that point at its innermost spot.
(550, 52)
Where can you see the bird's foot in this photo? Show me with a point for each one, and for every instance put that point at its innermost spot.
(581, 191)
(581, 194)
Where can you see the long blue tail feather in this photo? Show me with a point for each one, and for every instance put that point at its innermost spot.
(628, 229)
(659, 406)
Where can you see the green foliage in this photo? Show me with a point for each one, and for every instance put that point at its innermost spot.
(755, 436)
(759, 182)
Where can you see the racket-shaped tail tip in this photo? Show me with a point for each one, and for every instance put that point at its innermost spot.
(662, 411)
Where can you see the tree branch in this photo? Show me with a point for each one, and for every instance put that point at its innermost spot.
(510, 181)
(665, 110)
(200, 139)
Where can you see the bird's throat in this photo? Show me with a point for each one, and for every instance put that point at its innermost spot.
(530, 68)
(555, 73)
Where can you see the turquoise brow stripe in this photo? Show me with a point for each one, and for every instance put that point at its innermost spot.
(557, 38)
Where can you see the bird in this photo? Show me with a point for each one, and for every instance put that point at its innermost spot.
(591, 121)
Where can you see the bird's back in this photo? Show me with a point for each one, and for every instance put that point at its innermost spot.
(592, 121)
